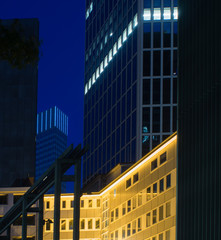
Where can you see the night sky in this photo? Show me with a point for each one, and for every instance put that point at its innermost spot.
(61, 66)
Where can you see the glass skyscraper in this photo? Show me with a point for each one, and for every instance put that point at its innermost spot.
(130, 101)
(51, 139)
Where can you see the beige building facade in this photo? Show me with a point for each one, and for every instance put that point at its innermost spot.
(140, 204)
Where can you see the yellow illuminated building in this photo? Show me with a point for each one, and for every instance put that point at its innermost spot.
(139, 204)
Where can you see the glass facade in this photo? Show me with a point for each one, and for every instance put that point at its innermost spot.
(129, 64)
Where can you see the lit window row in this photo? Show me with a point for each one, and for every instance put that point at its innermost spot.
(89, 10)
(132, 180)
(158, 214)
(162, 236)
(157, 14)
(65, 204)
(90, 203)
(90, 224)
(108, 58)
(154, 163)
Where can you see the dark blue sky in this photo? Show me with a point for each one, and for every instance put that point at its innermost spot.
(61, 67)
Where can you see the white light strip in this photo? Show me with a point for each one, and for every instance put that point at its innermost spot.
(157, 14)
(89, 10)
(127, 31)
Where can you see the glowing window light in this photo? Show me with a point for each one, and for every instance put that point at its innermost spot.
(166, 13)
(129, 28)
(147, 14)
(89, 84)
(110, 55)
(91, 7)
(105, 62)
(97, 73)
(115, 49)
(93, 78)
(101, 67)
(85, 89)
(119, 42)
(135, 21)
(156, 14)
(87, 14)
(175, 13)
(125, 35)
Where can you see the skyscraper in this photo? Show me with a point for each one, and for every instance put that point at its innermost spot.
(130, 80)
(199, 117)
(51, 139)
(18, 108)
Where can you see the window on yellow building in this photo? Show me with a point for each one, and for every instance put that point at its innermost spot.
(161, 236)
(63, 204)
(90, 224)
(135, 177)
(154, 189)
(134, 227)
(148, 222)
(168, 209)
(124, 209)
(153, 164)
(161, 185)
(112, 216)
(116, 213)
(160, 213)
(154, 220)
(72, 203)
(47, 226)
(168, 235)
(47, 205)
(112, 236)
(148, 193)
(168, 181)
(97, 224)
(90, 203)
(63, 224)
(71, 224)
(82, 224)
(139, 225)
(123, 233)
(134, 200)
(82, 203)
(139, 199)
(128, 229)
(128, 206)
(98, 202)
(128, 183)
(163, 158)
(116, 235)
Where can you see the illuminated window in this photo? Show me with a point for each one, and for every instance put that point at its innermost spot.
(160, 213)
(63, 204)
(135, 178)
(110, 55)
(82, 203)
(105, 39)
(175, 13)
(166, 13)
(168, 181)
(148, 193)
(167, 235)
(129, 28)
(63, 224)
(163, 158)
(128, 206)
(119, 43)
(98, 202)
(101, 67)
(168, 209)
(139, 225)
(135, 21)
(97, 224)
(128, 229)
(153, 164)
(147, 14)
(90, 203)
(154, 217)
(112, 216)
(124, 35)
(90, 224)
(154, 189)
(116, 213)
(128, 183)
(91, 7)
(148, 220)
(105, 62)
(97, 73)
(93, 78)
(124, 209)
(161, 185)
(82, 224)
(89, 84)
(87, 14)
(115, 49)
(134, 227)
(156, 14)
(71, 224)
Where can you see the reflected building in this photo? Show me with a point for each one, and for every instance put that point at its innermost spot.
(130, 101)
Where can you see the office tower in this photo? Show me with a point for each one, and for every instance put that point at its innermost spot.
(18, 107)
(199, 117)
(130, 80)
(51, 139)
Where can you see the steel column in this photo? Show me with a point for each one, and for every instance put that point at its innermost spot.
(40, 218)
(24, 219)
